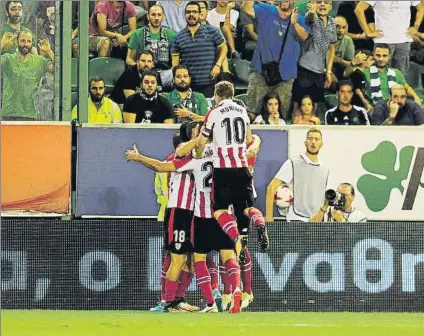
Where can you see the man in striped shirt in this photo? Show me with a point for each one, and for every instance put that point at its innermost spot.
(196, 47)
(178, 225)
(228, 126)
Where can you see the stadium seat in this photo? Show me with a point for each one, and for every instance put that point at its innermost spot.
(413, 78)
(110, 69)
(242, 97)
(74, 99)
(240, 68)
(74, 74)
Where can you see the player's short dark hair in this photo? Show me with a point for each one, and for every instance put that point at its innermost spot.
(9, 2)
(176, 139)
(314, 130)
(152, 73)
(225, 90)
(183, 131)
(381, 46)
(344, 82)
(192, 125)
(95, 79)
(145, 52)
(192, 3)
(180, 67)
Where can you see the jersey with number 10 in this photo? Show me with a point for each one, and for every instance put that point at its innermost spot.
(202, 170)
(227, 124)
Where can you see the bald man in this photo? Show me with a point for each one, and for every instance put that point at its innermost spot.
(345, 49)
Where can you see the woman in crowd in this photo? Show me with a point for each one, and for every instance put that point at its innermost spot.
(307, 115)
(271, 111)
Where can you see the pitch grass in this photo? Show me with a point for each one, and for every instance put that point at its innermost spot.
(125, 323)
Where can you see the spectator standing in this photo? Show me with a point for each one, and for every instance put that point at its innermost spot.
(174, 14)
(130, 81)
(392, 20)
(345, 49)
(188, 105)
(11, 28)
(346, 113)
(101, 109)
(397, 110)
(22, 72)
(316, 62)
(196, 47)
(347, 10)
(47, 30)
(308, 177)
(276, 24)
(249, 33)
(105, 21)
(147, 106)
(153, 37)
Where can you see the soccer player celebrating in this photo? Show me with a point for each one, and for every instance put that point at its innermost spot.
(232, 180)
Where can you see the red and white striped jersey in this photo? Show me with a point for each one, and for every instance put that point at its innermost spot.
(181, 189)
(227, 124)
(202, 170)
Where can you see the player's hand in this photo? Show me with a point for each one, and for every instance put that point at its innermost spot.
(8, 40)
(338, 216)
(182, 112)
(216, 70)
(132, 154)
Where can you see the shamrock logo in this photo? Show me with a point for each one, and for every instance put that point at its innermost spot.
(381, 163)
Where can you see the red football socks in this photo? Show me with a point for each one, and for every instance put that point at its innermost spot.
(165, 266)
(246, 272)
(256, 217)
(228, 289)
(229, 225)
(204, 281)
(170, 290)
(233, 273)
(213, 271)
(184, 282)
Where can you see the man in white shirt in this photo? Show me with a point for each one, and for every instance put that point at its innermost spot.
(308, 178)
(392, 19)
(174, 11)
(343, 214)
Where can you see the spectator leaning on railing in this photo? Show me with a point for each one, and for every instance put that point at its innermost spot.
(21, 73)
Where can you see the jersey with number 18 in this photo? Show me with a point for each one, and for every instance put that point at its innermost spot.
(227, 124)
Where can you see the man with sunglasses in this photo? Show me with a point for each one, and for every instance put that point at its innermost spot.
(201, 48)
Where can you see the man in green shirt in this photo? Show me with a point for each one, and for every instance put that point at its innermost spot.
(380, 78)
(11, 28)
(22, 72)
(188, 105)
(152, 37)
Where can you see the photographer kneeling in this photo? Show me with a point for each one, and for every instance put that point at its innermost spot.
(337, 207)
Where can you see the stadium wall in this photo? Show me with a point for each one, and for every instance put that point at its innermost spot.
(115, 264)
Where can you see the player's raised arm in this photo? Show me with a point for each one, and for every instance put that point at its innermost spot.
(156, 165)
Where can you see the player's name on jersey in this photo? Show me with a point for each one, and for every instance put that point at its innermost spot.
(230, 108)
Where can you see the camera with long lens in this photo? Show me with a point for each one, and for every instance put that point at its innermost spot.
(335, 199)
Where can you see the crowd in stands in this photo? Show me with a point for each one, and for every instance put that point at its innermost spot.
(291, 62)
